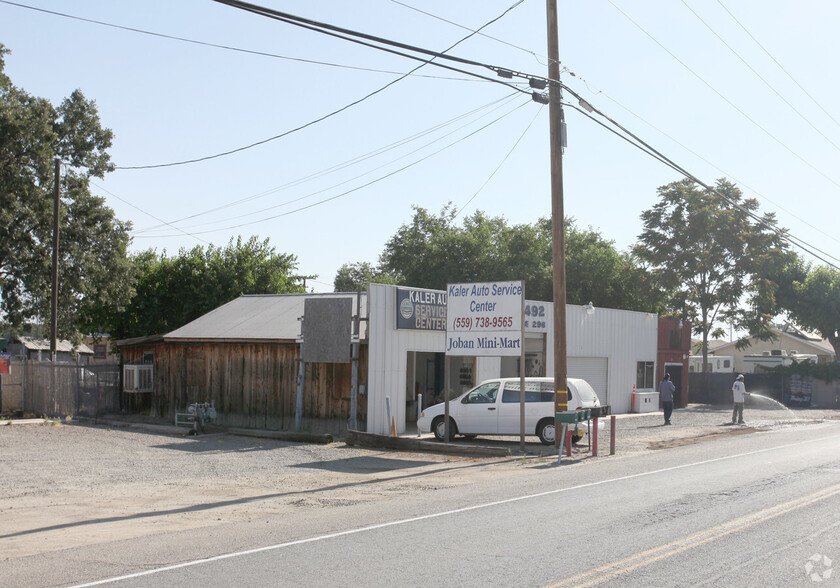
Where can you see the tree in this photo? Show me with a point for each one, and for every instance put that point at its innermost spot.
(351, 276)
(93, 269)
(707, 247)
(813, 302)
(172, 291)
(433, 251)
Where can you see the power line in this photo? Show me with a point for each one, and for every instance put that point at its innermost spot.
(360, 37)
(725, 99)
(228, 47)
(770, 55)
(501, 163)
(496, 104)
(544, 60)
(760, 77)
(781, 233)
(724, 172)
(251, 8)
(370, 183)
(124, 201)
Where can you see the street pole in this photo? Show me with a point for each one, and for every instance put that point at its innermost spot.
(54, 305)
(558, 246)
(354, 369)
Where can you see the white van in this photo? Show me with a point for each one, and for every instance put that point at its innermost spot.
(492, 408)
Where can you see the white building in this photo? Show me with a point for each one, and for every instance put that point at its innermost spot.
(614, 350)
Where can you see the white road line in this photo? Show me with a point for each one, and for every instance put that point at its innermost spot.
(368, 528)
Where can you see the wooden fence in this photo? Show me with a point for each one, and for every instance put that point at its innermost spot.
(60, 390)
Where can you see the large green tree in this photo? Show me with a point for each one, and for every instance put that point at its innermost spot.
(352, 276)
(434, 250)
(93, 269)
(813, 301)
(708, 247)
(172, 291)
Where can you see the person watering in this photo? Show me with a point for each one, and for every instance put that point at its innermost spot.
(738, 393)
(666, 395)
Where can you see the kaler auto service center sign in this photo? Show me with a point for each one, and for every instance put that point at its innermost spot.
(484, 319)
(421, 310)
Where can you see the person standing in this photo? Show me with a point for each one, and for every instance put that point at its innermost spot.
(666, 395)
(738, 393)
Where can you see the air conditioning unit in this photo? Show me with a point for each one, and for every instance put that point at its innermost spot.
(776, 352)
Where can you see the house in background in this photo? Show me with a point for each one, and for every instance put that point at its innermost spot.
(103, 349)
(790, 341)
(32, 348)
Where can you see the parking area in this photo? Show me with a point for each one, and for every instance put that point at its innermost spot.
(74, 484)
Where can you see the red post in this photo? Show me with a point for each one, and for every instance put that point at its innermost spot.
(595, 436)
(568, 441)
(612, 435)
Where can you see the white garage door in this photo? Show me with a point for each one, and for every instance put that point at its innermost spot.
(593, 370)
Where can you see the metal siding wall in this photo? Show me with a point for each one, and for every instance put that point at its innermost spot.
(388, 358)
(624, 337)
(621, 337)
(594, 370)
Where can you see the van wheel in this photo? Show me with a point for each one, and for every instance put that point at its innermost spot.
(439, 428)
(545, 431)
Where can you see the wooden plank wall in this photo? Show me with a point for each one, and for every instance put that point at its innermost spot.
(253, 385)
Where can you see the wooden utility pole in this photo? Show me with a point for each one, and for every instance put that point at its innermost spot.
(558, 247)
(54, 305)
(354, 358)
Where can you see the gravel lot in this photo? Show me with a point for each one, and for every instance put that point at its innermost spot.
(68, 484)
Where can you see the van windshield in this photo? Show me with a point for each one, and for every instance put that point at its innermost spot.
(483, 394)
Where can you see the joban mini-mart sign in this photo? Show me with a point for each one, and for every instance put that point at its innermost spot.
(484, 319)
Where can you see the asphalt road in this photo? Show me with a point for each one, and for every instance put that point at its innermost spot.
(757, 510)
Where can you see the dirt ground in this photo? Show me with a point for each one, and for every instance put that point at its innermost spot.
(68, 485)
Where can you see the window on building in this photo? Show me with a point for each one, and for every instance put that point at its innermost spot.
(676, 339)
(99, 351)
(644, 374)
(138, 378)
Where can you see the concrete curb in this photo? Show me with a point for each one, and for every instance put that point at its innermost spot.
(291, 436)
(23, 422)
(361, 439)
(295, 437)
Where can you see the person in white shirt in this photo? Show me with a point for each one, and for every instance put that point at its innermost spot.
(738, 393)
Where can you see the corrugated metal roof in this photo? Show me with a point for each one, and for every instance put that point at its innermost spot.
(257, 317)
(33, 344)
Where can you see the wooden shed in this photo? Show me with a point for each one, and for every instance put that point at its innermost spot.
(244, 357)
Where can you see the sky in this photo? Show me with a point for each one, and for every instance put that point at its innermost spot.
(742, 89)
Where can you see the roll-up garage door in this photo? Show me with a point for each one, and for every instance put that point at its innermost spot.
(593, 370)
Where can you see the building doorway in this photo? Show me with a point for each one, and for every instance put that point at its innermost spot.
(425, 380)
(680, 395)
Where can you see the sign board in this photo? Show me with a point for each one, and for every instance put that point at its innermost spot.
(537, 317)
(484, 319)
(327, 326)
(421, 310)
(5, 363)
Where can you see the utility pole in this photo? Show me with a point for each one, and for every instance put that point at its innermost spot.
(558, 245)
(354, 358)
(54, 306)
